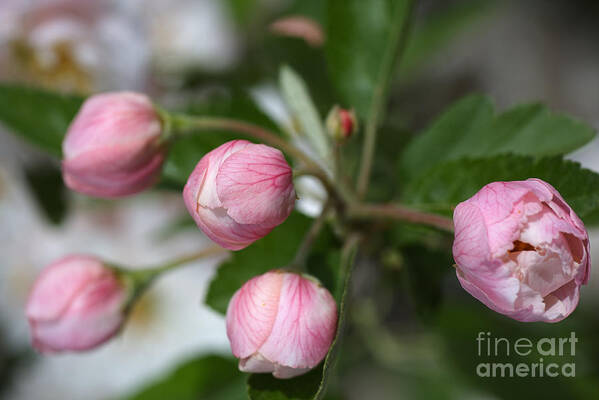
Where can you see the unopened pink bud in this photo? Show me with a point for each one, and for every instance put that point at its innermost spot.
(341, 123)
(521, 250)
(239, 192)
(281, 323)
(113, 146)
(299, 27)
(76, 304)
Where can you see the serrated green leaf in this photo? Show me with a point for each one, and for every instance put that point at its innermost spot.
(362, 47)
(275, 250)
(38, 115)
(209, 377)
(469, 128)
(304, 111)
(441, 188)
(312, 385)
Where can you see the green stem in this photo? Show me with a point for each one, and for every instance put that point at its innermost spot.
(299, 262)
(399, 212)
(143, 278)
(181, 124)
(398, 41)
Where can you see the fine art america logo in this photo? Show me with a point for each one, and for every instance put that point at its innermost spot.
(491, 347)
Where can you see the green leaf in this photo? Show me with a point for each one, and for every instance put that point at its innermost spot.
(362, 45)
(425, 270)
(298, 99)
(266, 387)
(313, 384)
(275, 250)
(209, 377)
(38, 115)
(437, 30)
(187, 151)
(470, 128)
(45, 183)
(445, 185)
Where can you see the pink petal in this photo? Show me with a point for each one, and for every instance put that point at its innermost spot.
(93, 317)
(225, 231)
(60, 283)
(255, 186)
(209, 166)
(470, 246)
(251, 313)
(111, 120)
(305, 324)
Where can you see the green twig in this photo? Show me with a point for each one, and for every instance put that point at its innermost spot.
(401, 213)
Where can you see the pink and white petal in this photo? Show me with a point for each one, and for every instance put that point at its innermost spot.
(256, 364)
(562, 302)
(251, 314)
(558, 204)
(255, 186)
(207, 194)
(226, 232)
(195, 183)
(133, 179)
(305, 325)
(498, 294)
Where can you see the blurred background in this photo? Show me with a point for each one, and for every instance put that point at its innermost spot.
(413, 329)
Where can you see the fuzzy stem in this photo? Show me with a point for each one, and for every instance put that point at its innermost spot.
(142, 278)
(399, 212)
(299, 262)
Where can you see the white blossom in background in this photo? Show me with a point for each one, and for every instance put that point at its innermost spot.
(72, 45)
(187, 34)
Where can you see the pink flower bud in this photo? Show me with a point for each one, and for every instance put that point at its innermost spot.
(113, 146)
(76, 304)
(239, 192)
(341, 123)
(281, 322)
(521, 250)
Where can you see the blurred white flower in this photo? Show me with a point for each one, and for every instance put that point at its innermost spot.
(72, 45)
(186, 34)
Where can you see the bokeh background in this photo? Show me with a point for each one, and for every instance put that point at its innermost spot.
(413, 329)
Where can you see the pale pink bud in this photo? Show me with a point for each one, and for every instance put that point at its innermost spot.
(299, 27)
(113, 147)
(281, 322)
(521, 250)
(76, 304)
(239, 192)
